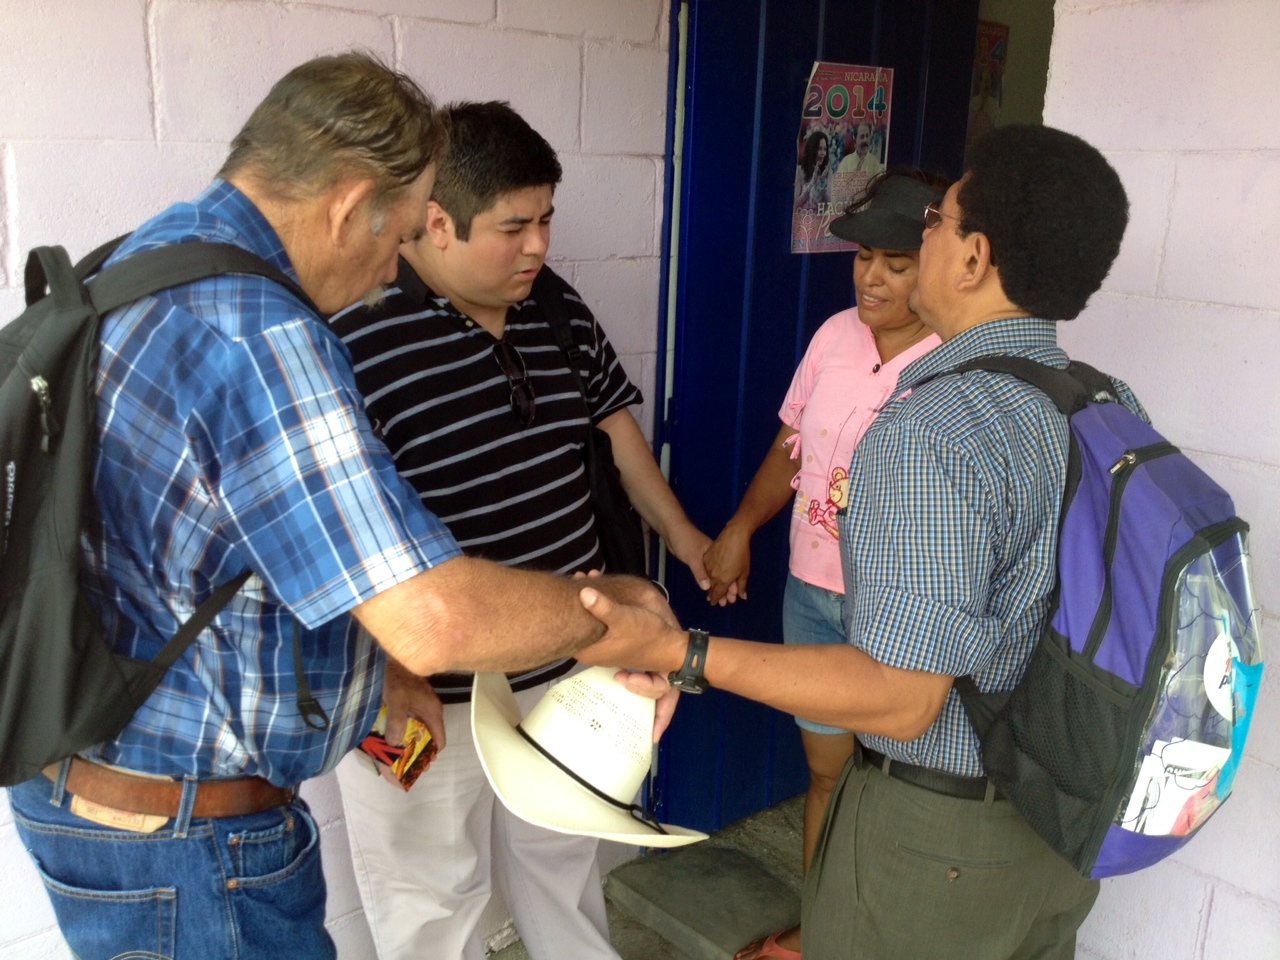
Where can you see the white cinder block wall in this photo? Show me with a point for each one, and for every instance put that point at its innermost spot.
(112, 109)
(1181, 96)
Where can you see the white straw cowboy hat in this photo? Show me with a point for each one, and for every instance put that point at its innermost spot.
(575, 764)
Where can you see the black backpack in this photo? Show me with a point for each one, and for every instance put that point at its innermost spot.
(62, 688)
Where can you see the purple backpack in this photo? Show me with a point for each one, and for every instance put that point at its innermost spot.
(1125, 733)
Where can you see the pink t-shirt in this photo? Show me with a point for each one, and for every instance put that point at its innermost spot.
(836, 392)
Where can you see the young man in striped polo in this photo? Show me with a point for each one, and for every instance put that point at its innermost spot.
(464, 377)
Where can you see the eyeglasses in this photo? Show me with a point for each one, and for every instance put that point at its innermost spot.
(512, 366)
(933, 216)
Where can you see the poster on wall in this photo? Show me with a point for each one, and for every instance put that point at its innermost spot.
(843, 143)
(986, 94)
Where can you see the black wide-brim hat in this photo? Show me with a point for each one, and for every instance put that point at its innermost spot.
(892, 218)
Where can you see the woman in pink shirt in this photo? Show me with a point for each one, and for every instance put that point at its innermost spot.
(848, 372)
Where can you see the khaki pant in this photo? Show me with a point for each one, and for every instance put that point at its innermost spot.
(901, 873)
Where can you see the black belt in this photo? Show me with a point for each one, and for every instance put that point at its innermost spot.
(948, 784)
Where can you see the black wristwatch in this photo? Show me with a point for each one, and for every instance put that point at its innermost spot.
(689, 678)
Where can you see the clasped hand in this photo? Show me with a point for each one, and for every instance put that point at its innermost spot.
(642, 635)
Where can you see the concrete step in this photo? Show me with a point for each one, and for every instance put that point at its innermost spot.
(631, 938)
(711, 899)
(708, 900)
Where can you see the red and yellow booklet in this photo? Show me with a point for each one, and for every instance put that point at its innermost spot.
(401, 765)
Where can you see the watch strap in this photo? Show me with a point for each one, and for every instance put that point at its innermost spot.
(690, 677)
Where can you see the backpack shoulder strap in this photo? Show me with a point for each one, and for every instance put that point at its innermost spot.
(49, 270)
(1095, 381)
(150, 271)
(312, 713)
(1068, 394)
(92, 262)
(548, 292)
(133, 278)
(200, 618)
(1071, 390)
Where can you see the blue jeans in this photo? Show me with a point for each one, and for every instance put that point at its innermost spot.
(812, 615)
(237, 888)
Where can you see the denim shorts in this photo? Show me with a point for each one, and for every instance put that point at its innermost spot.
(812, 615)
(249, 887)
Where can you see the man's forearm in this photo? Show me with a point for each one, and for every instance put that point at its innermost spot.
(837, 685)
(642, 479)
(470, 614)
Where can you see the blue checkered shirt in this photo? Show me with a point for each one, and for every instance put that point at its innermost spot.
(950, 539)
(231, 435)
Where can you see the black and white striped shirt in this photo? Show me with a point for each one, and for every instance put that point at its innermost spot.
(516, 495)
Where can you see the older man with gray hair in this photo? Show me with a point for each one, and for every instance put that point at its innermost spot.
(230, 435)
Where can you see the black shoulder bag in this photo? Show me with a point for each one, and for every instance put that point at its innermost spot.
(622, 539)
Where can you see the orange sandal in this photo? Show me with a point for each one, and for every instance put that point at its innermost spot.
(769, 947)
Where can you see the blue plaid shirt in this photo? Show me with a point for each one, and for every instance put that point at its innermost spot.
(950, 540)
(231, 435)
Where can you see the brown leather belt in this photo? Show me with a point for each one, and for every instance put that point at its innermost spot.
(214, 798)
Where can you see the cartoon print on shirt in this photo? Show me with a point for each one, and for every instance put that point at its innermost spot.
(824, 514)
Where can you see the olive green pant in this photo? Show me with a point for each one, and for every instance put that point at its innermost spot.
(902, 873)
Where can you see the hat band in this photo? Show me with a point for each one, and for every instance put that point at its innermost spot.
(637, 811)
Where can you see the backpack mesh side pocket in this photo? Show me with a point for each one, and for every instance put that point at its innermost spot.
(1054, 747)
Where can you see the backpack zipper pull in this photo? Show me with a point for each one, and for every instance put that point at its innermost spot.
(1128, 460)
(48, 422)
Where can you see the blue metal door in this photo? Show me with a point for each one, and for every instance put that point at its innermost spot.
(745, 308)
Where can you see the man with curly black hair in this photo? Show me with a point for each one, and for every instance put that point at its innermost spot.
(948, 550)
(1050, 255)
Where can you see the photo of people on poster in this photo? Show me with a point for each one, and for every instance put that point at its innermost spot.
(843, 142)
